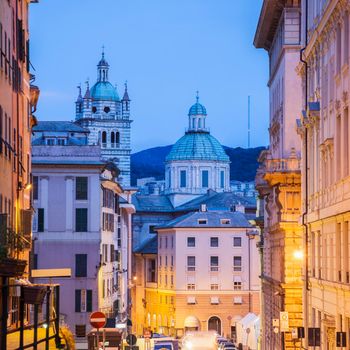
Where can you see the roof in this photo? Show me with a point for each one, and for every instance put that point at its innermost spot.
(197, 146)
(197, 109)
(268, 22)
(157, 203)
(191, 220)
(218, 201)
(67, 162)
(149, 247)
(65, 126)
(104, 90)
(70, 141)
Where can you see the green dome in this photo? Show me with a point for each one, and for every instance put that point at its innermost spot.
(197, 109)
(104, 90)
(198, 146)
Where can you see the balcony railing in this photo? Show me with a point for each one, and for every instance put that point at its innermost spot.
(282, 165)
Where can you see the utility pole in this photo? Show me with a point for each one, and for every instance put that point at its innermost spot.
(248, 121)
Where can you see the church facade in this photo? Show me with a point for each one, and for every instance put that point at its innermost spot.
(107, 117)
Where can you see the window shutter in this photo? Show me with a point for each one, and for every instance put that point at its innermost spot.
(77, 300)
(41, 219)
(89, 300)
(80, 265)
(81, 188)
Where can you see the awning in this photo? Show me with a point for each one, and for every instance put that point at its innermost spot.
(191, 321)
(191, 300)
(214, 300)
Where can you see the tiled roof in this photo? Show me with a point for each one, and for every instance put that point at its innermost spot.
(198, 146)
(149, 247)
(59, 126)
(157, 203)
(191, 220)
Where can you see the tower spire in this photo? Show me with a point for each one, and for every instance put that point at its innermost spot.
(126, 95)
(197, 96)
(102, 68)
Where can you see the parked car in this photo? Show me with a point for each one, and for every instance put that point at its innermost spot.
(227, 346)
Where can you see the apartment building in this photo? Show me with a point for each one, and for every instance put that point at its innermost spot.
(278, 178)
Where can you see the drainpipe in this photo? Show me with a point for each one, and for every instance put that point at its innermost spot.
(304, 219)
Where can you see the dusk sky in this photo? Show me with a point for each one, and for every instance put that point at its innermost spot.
(166, 50)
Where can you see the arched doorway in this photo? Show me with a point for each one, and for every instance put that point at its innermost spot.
(214, 324)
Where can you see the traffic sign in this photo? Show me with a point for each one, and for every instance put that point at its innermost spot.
(284, 321)
(131, 339)
(98, 319)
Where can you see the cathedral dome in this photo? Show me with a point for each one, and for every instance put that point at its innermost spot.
(104, 90)
(198, 146)
(197, 109)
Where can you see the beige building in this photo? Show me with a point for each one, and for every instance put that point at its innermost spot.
(278, 178)
(201, 273)
(17, 101)
(324, 130)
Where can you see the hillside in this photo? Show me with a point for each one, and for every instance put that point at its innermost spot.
(150, 162)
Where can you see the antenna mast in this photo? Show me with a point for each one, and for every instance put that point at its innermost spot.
(248, 121)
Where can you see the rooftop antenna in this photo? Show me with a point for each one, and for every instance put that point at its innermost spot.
(248, 121)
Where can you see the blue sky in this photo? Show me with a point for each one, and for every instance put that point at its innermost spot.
(166, 50)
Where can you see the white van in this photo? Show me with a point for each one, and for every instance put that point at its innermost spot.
(200, 341)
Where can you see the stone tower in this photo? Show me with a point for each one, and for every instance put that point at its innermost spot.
(108, 119)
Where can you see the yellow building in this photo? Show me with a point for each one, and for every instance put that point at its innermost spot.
(17, 101)
(278, 178)
(324, 130)
(200, 273)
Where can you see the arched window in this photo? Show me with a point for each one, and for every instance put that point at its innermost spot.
(106, 109)
(94, 109)
(117, 137)
(112, 138)
(104, 138)
(214, 323)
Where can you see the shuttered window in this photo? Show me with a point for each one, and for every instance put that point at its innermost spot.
(35, 187)
(41, 219)
(81, 220)
(80, 265)
(81, 188)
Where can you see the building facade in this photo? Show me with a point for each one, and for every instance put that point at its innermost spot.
(324, 130)
(82, 222)
(278, 178)
(107, 117)
(204, 275)
(17, 102)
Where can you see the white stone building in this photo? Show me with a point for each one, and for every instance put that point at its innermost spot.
(107, 117)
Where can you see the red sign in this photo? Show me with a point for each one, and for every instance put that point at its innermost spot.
(98, 319)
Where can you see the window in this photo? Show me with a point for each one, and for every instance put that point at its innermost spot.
(172, 260)
(191, 286)
(94, 109)
(214, 286)
(214, 242)
(106, 109)
(117, 137)
(214, 263)
(166, 242)
(237, 300)
(50, 142)
(205, 178)
(81, 188)
(104, 138)
(151, 276)
(81, 220)
(83, 300)
(41, 220)
(80, 265)
(80, 330)
(225, 221)
(191, 263)
(202, 221)
(35, 187)
(237, 285)
(191, 241)
(61, 142)
(237, 263)
(237, 241)
(160, 242)
(151, 229)
(222, 179)
(183, 178)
